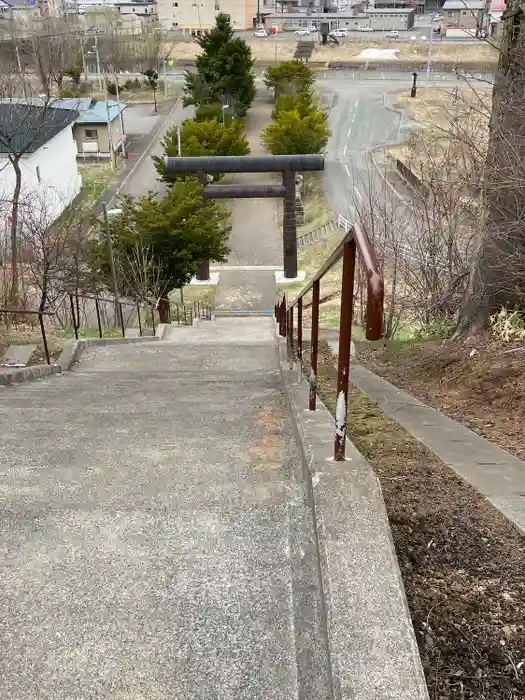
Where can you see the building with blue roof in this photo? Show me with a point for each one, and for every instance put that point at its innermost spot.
(98, 127)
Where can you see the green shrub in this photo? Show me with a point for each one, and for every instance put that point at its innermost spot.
(444, 329)
(67, 92)
(206, 112)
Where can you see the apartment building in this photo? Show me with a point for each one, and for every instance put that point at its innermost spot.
(193, 16)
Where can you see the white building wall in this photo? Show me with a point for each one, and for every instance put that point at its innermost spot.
(50, 177)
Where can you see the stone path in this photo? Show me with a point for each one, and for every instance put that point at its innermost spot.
(498, 475)
(255, 238)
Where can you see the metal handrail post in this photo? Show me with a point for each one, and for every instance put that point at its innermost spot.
(314, 350)
(72, 305)
(122, 326)
(153, 319)
(99, 324)
(345, 340)
(44, 339)
(139, 320)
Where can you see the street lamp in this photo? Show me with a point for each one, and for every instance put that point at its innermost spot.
(223, 108)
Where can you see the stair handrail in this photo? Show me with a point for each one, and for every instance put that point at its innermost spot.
(355, 241)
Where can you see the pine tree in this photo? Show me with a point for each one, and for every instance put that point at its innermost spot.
(224, 70)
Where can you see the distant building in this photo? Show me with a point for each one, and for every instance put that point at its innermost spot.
(196, 17)
(44, 137)
(97, 126)
(417, 5)
(463, 14)
(379, 19)
(387, 19)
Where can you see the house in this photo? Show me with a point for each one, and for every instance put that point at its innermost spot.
(43, 137)
(463, 14)
(98, 127)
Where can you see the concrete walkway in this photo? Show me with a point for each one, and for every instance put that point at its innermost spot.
(255, 239)
(496, 474)
(150, 526)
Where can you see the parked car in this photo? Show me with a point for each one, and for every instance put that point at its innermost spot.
(303, 32)
(339, 32)
(394, 34)
(261, 33)
(364, 29)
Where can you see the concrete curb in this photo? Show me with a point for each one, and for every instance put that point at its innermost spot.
(371, 647)
(73, 351)
(68, 357)
(19, 375)
(493, 472)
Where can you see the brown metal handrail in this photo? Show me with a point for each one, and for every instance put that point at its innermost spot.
(40, 314)
(355, 241)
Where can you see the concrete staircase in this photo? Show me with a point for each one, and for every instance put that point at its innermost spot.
(164, 535)
(153, 526)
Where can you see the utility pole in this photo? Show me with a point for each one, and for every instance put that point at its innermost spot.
(121, 116)
(112, 163)
(99, 72)
(429, 52)
(118, 307)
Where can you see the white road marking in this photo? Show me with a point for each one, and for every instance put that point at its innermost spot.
(349, 131)
(358, 193)
(347, 171)
(344, 152)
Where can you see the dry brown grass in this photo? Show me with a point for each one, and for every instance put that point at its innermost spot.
(268, 50)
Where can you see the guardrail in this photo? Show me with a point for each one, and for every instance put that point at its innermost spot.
(179, 314)
(355, 242)
(40, 314)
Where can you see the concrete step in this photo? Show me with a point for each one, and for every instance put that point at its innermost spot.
(227, 330)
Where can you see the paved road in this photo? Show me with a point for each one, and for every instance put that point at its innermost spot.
(144, 176)
(359, 121)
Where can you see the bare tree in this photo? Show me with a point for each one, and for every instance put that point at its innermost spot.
(496, 278)
(57, 49)
(25, 125)
(48, 248)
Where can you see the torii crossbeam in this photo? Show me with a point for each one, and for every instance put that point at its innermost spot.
(288, 165)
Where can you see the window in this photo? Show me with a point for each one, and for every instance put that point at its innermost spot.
(38, 174)
(91, 134)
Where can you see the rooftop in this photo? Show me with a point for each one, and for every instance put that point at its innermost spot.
(463, 5)
(92, 111)
(390, 11)
(24, 128)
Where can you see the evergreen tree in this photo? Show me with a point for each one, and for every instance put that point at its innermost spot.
(224, 70)
(178, 231)
(206, 138)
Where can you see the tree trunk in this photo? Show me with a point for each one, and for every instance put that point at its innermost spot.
(498, 268)
(164, 310)
(15, 205)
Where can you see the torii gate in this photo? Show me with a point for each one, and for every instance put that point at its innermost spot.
(288, 165)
